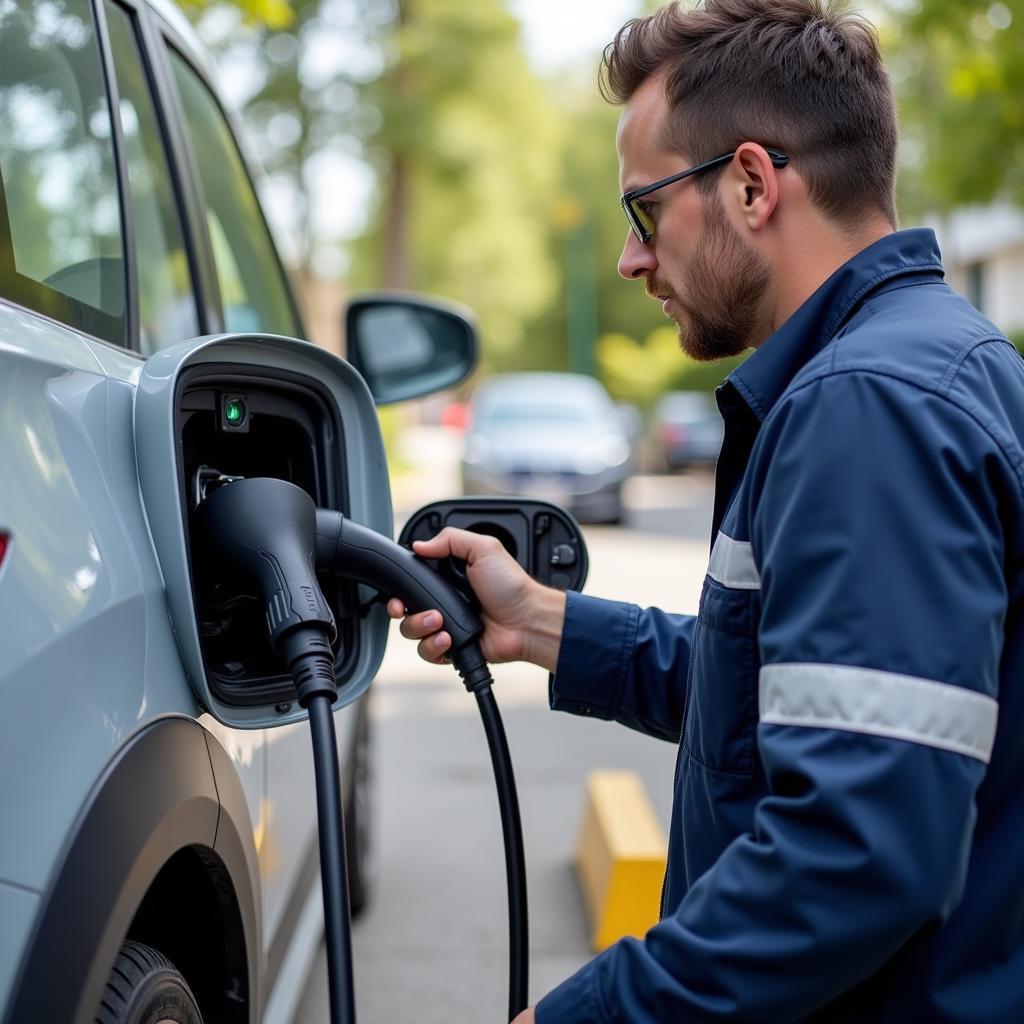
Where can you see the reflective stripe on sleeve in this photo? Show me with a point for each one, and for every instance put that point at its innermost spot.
(880, 704)
(732, 564)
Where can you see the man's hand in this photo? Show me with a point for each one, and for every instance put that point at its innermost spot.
(522, 619)
(526, 1017)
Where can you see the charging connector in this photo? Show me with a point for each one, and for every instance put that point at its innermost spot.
(266, 529)
(271, 531)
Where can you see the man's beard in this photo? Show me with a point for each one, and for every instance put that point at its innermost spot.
(722, 312)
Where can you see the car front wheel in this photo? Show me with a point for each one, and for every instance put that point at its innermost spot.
(144, 987)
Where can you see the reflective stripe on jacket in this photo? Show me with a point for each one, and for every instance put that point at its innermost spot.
(847, 838)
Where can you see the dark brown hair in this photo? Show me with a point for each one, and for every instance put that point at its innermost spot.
(804, 76)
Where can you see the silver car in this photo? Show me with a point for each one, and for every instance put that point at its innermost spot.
(556, 436)
(687, 428)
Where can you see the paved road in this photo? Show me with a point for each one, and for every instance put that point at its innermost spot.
(433, 945)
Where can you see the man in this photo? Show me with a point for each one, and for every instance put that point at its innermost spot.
(847, 840)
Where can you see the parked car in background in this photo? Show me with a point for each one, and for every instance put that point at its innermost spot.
(556, 436)
(687, 429)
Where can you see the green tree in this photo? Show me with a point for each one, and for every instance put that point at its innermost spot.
(958, 68)
(467, 153)
(272, 13)
(641, 373)
(306, 111)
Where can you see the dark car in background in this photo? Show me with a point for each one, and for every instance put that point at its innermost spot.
(687, 429)
(556, 436)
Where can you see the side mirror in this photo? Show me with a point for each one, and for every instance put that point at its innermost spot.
(405, 346)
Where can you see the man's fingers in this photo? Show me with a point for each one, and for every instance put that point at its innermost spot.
(434, 648)
(396, 609)
(415, 627)
(462, 544)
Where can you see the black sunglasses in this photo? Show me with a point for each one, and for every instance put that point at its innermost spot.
(640, 218)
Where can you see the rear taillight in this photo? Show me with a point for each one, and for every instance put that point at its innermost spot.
(5, 540)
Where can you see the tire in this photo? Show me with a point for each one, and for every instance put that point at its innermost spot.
(358, 817)
(144, 987)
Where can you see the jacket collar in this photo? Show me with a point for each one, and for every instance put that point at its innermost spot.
(761, 379)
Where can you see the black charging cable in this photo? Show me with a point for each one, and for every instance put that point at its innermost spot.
(272, 531)
(355, 552)
(515, 861)
(312, 669)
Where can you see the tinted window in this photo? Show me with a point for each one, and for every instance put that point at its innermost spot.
(167, 307)
(252, 286)
(60, 223)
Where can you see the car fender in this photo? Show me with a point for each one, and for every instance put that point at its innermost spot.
(169, 787)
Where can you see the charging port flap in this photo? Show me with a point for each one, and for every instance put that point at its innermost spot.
(542, 537)
(217, 409)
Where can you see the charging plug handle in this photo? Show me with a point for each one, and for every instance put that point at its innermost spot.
(347, 549)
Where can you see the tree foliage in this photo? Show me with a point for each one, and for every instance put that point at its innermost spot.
(305, 107)
(589, 193)
(958, 68)
(272, 13)
(641, 372)
(467, 149)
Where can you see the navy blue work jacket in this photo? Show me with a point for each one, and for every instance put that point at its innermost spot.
(847, 838)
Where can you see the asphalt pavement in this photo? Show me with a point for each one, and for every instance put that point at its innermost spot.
(432, 947)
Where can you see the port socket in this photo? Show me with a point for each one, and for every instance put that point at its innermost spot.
(246, 423)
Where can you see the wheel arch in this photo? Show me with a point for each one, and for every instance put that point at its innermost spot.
(166, 826)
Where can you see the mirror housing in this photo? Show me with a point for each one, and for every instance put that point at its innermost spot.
(406, 345)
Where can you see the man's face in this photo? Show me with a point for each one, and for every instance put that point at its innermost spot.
(709, 281)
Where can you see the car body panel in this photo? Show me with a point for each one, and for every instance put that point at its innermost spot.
(88, 651)
(289, 817)
(18, 909)
(183, 800)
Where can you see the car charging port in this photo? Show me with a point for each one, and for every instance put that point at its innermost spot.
(231, 426)
(206, 481)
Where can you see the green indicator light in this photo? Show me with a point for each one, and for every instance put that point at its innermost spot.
(234, 411)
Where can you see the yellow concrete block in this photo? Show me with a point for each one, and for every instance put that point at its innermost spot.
(620, 857)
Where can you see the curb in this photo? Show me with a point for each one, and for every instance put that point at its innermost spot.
(620, 857)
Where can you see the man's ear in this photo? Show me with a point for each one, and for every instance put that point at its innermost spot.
(753, 185)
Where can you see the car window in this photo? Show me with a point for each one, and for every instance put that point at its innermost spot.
(60, 222)
(167, 305)
(252, 285)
